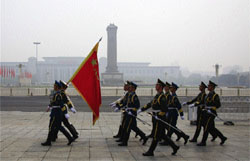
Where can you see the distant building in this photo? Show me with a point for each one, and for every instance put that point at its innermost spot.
(62, 68)
(145, 74)
(45, 72)
(57, 68)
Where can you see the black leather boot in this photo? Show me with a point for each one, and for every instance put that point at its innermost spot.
(151, 149)
(173, 146)
(46, 143)
(223, 140)
(193, 140)
(119, 133)
(175, 149)
(186, 137)
(201, 144)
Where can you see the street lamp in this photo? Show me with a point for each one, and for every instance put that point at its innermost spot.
(36, 43)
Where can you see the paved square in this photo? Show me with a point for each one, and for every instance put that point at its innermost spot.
(23, 132)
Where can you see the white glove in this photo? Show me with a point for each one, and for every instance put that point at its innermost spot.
(184, 103)
(116, 109)
(66, 116)
(130, 113)
(167, 114)
(73, 110)
(156, 117)
(112, 104)
(192, 105)
(209, 111)
(182, 117)
(48, 109)
(139, 111)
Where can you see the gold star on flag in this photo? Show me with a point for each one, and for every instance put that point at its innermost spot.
(93, 62)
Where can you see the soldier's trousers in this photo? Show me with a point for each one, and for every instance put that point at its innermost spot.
(152, 131)
(130, 124)
(121, 125)
(158, 134)
(172, 120)
(69, 126)
(209, 127)
(200, 123)
(55, 124)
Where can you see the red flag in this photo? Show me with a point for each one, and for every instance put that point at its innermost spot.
(4, 72)
(86, 81)
(12, 73)
(7, 72)
(1, 70)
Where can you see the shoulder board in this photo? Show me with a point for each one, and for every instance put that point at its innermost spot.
(214, 96)
(159, 99)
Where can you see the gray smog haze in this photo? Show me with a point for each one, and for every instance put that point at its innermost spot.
(194, 34)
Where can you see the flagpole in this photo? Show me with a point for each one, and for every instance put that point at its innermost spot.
(100, 40)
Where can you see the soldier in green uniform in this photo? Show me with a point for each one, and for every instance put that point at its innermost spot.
(65, 117)
(168, 99)
(212, 103)
(132, 105)
(116, 105)
(159, 109)
(198, 101)
(55, 123)
(174, 109)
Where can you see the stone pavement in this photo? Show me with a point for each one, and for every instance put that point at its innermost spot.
(23, 132)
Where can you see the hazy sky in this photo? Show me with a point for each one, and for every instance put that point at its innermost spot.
(191, 33)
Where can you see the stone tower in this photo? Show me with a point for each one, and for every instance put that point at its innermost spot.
(112, 77)
(112, 49)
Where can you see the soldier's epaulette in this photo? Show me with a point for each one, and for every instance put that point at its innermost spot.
(159, 99)
(214, 96)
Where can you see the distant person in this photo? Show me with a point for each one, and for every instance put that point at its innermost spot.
(212, 103)
(65, 117)
(55, 123)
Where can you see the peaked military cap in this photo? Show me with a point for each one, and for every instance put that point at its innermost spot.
(126, 83)
(58, 84)
(64, 84)
(167, 84)
(133, 84)
(203, 84)
(161, 83)
(212, 83)
(174, 85)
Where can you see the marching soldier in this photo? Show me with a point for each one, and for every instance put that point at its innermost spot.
(212, 102)
(65, 118)
(168, 99)
(200, 99)
(116, 105)
(55, 123)
(174, 107)
(130, 123)
(159, 109)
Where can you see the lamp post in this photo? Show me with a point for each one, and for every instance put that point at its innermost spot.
(36, 43)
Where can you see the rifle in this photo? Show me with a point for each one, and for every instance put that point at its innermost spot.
(166, 123)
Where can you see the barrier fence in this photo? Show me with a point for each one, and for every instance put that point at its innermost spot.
(118, 91)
